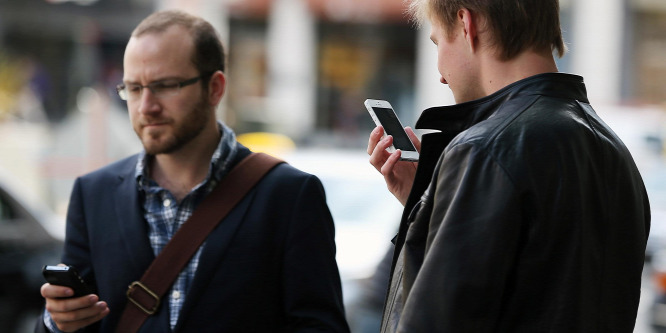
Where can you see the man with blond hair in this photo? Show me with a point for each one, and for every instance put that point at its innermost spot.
(525, 212)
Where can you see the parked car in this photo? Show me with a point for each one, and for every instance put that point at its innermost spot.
(29, 239)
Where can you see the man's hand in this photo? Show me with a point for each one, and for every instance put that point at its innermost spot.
(399, 175)
(71, 314)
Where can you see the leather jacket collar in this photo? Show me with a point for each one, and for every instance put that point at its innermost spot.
(462, 116)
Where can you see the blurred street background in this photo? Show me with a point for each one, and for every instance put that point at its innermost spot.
(299, 71)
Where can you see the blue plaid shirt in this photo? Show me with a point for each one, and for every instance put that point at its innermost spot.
(165, 215)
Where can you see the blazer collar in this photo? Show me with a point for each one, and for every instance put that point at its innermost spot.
(130, 220)
(215, 246)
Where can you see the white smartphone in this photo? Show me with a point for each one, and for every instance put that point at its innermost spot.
(383, 115)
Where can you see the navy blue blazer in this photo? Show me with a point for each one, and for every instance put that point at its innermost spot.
(269, 266)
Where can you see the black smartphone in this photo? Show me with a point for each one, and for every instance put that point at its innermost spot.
(66, 276)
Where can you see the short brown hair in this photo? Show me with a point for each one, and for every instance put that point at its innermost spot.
(515, 25)
(208, 54)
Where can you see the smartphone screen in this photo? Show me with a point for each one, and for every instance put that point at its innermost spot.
(392, 127)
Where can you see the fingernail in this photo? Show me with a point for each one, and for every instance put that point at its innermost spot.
(92, 298)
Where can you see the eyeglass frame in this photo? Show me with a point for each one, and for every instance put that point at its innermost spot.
(121, 88)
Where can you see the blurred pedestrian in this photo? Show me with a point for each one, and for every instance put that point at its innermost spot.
(525, 212)
(268, 266)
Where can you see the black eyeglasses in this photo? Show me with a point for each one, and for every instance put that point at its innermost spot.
(132, 92)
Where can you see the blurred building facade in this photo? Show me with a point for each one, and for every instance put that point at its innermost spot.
(369, 49)
(297, 67)
(302, 66)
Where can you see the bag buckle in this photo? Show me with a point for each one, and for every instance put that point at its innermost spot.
(147, 292)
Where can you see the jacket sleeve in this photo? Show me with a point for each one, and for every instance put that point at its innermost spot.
(76, 249)
(471, 239)
(311, 281)
(77, 246)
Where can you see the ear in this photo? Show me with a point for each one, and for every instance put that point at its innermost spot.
(470, 29)
(216, 88)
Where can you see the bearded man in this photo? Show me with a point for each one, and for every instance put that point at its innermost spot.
(268, 266)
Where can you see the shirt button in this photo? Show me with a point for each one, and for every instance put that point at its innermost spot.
(176, 294)
(167, 203)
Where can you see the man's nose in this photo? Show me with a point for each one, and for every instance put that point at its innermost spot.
(148, 102)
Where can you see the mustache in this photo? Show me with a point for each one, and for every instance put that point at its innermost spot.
(154, 121)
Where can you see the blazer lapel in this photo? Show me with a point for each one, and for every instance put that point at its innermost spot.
(131, 222)
(213, 251)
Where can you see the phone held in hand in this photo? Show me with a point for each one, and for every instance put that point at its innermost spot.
(66, 276)
(383, 115)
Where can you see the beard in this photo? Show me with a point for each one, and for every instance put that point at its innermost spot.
(163, 141)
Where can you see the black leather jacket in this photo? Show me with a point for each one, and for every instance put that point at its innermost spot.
(527, 214)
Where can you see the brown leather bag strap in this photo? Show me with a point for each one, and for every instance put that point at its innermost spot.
(145, 295)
